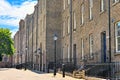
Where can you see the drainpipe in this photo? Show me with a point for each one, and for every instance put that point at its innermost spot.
(109, 24)
(70, 30)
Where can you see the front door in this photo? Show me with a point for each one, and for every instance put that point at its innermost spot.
(103, 47)
(74, 54)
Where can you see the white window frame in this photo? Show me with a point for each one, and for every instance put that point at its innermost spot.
(91, 44)
(102, 5)
(74, 21)
(63, 28)
(63, 55)
(68, 2)
(90, 9)
(64, 4)
(68, 52)
(82, 47)
(116, 31)
(68, 21)
(82, 14)
(116, 1)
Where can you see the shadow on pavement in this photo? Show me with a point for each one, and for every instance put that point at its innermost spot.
(3, 69)
(38, 72)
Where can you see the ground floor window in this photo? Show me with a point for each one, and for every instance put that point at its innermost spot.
(117, 34)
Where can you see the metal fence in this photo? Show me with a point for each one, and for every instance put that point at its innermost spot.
(103, 70)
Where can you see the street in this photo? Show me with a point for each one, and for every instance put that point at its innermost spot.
(15, 74)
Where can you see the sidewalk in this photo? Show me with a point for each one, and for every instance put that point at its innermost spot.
(86, 78)
(15, 74)
(59, 74)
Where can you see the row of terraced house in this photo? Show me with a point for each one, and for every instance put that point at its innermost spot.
(88, 31)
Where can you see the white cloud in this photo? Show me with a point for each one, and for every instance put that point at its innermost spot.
(15, 13)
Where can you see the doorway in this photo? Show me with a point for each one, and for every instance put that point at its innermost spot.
(74, 55)
(103, 47)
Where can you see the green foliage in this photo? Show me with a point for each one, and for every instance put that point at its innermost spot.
(6, 42)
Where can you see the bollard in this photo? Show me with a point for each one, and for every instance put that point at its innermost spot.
(63, 69)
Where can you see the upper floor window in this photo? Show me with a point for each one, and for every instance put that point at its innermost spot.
(91, 44)
(68, 21)
(68, 1)
(74, 21)
(64, 4)
(68, 52)
(82, 47)
(102, 5)
(63, 28)
(43, 4)
(117, 34)
(115, 1)
(90, 9)
(82, 13)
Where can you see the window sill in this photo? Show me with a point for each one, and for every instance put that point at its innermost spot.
(91, 58)
(68, 34)
(117, 53)
(82, 24)
(90, 19)
(115, 3)
(63, 10)
(101, 12)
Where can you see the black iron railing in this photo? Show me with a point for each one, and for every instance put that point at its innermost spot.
(104, 70)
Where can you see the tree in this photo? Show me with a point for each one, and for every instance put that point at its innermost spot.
(6, 43)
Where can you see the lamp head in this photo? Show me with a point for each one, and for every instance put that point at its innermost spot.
(55, 37)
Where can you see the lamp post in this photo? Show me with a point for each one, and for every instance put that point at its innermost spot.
(55, 39)
(26, 58)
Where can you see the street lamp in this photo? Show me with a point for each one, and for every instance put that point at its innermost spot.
(26, 59)
(55, 39)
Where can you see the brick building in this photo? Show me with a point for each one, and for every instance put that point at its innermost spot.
(90, 30)
(37, 31)
(16, 45)
(82, 27)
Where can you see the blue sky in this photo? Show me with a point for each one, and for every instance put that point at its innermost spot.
(11, 11)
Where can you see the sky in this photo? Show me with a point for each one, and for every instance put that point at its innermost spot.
(11, 11)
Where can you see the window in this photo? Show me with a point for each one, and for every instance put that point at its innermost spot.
(68, 2)
(102, 5)
(82, 13)
(63, 28)
(91, 44)
(68, 21)
(68, 50)
(118, 37)
(43, 4)
(90, 8)
(82, 47)
(63, 55)
(115, 1)
(74, 21)
(43, 23)
(64, 4)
